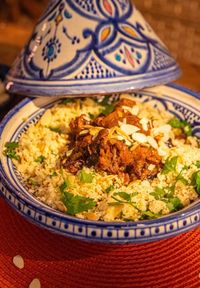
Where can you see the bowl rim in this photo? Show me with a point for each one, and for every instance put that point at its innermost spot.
(48, 211)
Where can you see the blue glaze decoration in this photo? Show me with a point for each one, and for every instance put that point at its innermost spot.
(179, 101)
(87, 30)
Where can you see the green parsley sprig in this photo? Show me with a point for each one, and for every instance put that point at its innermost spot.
(74, 203)
(181, 124)
(170, 165)
(10, 150)
(40, 159)
(196, 181)
(85, 177)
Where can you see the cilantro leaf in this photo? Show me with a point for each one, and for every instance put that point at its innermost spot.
(64, 186)
(110, 188)
(10, 150)
(149, 215)
(196, 181)
(105, 101)
(33, 182)
(170, 165)
(198, 164)
(125, 199)
(181, 124)
(174, 204)
(125, 196)
(12, 145)
(182, 179)
(85, 177)
(55, 129)
(92, 116)
(40, 159)
(107, 109)
(158, 193)
(77, 204)
(53, 174)
(175, 123)
(187, 129)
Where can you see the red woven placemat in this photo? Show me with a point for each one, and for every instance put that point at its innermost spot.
(66, 263)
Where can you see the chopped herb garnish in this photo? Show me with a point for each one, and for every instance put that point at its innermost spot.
(197, 164)
(196, 181)
(170, 165)
(12, 145)
(67, 101)
(158, 193)
(107, 109)
(92, 116)
(54, 174)
(77, 204)
(170, 190)
(85, 177)
(182, 179)
(10, 150)
(149, 215)
(40, 159)
(184, 125)
(33, 182)
(55, 129)
(65, 185)
(105, 101)
(187, 130)
(174, 204)
(124, 198)
(176, 123)
(110, 188)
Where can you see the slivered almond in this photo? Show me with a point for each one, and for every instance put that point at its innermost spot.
(83, 132)
(165, 129)
(133, 110)
(121, 132)
(139, 137)
(144, 122)
(152, 142)
(119, 137)
(129, 129)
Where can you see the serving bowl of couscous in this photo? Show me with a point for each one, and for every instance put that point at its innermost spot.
(114, 169)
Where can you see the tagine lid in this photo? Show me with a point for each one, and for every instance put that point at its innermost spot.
(82, 47)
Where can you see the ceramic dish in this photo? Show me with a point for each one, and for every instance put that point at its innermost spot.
(87, 47)
(177, 100)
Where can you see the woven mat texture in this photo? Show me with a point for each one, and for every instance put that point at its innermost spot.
(61, 262)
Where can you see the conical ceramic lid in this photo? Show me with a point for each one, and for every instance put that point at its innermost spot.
(82, 47)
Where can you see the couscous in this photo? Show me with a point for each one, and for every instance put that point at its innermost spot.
(109, 160)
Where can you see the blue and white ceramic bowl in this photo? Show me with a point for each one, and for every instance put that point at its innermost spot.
(91, 46)
(183, 103)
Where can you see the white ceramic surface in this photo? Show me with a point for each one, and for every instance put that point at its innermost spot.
(181, 102)
(91, 46)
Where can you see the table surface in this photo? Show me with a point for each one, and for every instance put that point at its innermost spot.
(12, 39)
